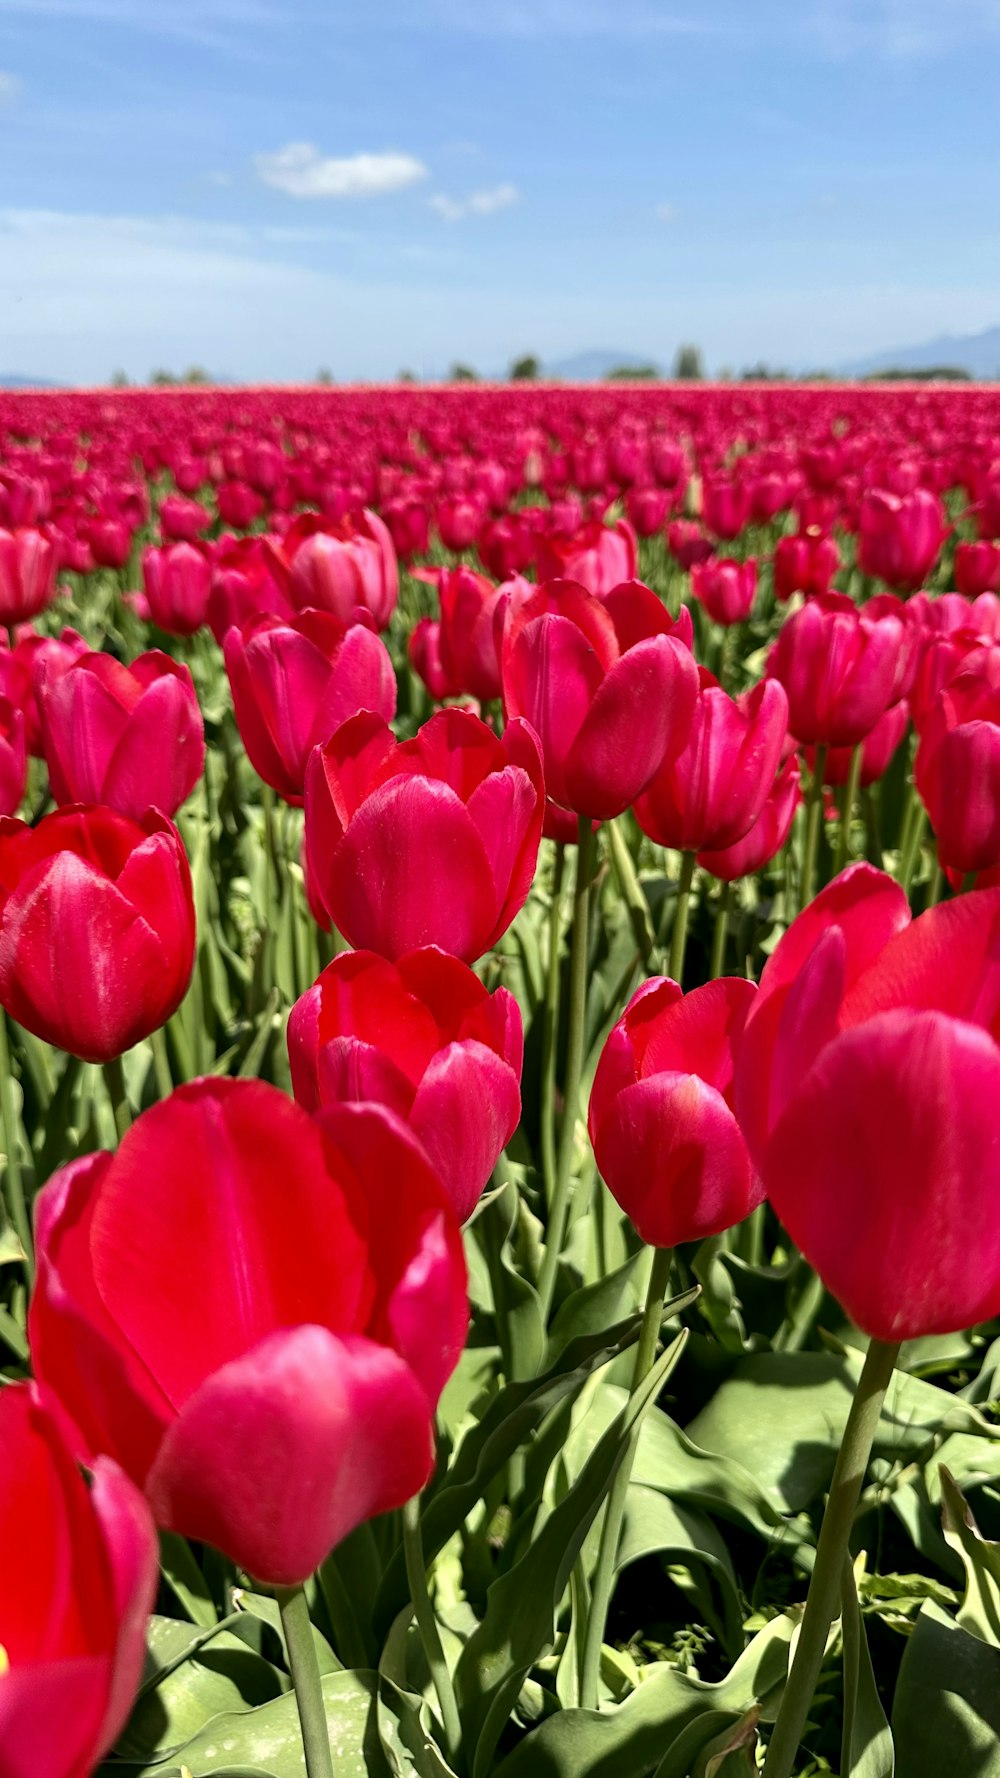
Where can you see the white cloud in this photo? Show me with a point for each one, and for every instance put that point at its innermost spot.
(478, 203)
(10, 86)
(667, 212)
(302, 172)
(902, 29)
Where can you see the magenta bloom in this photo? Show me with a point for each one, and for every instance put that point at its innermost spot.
(838, 667)
(346, 569)
(178, 580)
(28, 566)
(131, 737)
(900, 536)
(725, 588)
(764, 840)
(710, 794)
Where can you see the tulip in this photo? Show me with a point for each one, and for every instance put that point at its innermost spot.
(661, 1121)
(178, 580)
(182, 521)
(647, 510)
(604, 684)
(423, 1037)
(80, 1576)
(598, 556)
(458, 522)
(432, 842)
(957, 770)
(254, 1312)
(469, 623)
(877, 750)
(977, 568)
(131, 737)
(110, 539)
(423, 651)
(876, 1030)
(725, 588)
(900, 536)
(243, 586)
(293, 683)
(838, 668)
(688, 544)
(349, 569)
(27, 575)
(709, 794)
(96, 927)
(507, 545)
(667, 462)
(238, 505)
(13, 757)
(33, 659)
(725, 506)
(764, 840)
(804, 563)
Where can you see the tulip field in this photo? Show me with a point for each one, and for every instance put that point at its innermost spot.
(499, 1082)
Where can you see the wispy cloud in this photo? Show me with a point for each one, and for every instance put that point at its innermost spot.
(667, 212)
(901, 29)
(478, 203)
(537, 19)
(302, 172)
(10, 86)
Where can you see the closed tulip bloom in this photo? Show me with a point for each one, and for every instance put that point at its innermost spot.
(346, 569)
(110, 539)
(764, 840)
(423, 1037)
(661, 1121)
(79, 1581)
(957, 771)
(711, 793)
(606, 687)
(725, 588)
(838, 669)
(131, 737)
(33, 660)
(96, 927)
(598, 556)
(877, 750)
(804, 563)
(687, 543)
(725, 506)
(244, 586)
(181, 520)
(459, 521)
(977, 568)
(28, 566)
(238, 504)
(469, 631)
(254, 1312)
(13, 757)
(868, 1087)
(648, 510)
(431, 842)
(293, 683)
(900, 536)
(177, 579)
(423, 651)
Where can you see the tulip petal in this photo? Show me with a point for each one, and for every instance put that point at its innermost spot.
(160, 756)
(130, 1539)
(286, 1449)
(895, 1133)
(466, 1108)
(637, 716)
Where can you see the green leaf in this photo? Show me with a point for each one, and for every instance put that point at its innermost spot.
(186, 1579)
(597, 1306)
(516, 1303)
(867, 1749)
(521, 1605)
(979, 1612)
(946, 1711)
(192, 1676)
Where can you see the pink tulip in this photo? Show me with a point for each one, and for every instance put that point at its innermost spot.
(178, 580)
(709, 794)
(349, 569)
(838, 668)
(130, 737)
(764, 840)
(27, 574)
(725, 588)
(598, 556)
(900, 536)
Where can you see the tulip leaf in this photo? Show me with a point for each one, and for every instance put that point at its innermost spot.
(186, 1580)
(597, 1306)
(979, 1612)
(946, 1711)
(217, 1672)
(522, 1603)
(867, 1747)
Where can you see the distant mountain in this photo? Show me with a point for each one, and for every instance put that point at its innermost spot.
(978, 353)
(590, 367)
(12, 382)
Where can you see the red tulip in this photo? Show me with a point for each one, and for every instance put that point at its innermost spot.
(458, 522)
(647, 510)
(423, 651)
(804, 563)
(764, 840)
(598, 556)
(725, 588)
(293, 683)
(96, 927)
(27, 574)
(838, 668)
(877, 750)
(349, 569)
(725, 506)
(254, 1313)
(432, 842)
(977, 568)
(900, 536)
(424, 1037)
(469, 607)
(868, 1087)
(182, 521)
(23, 668)
(709, 795)
(131, 737)
(661, 1121)
(408, 524)
(178, 580)
(110, 539)
(957, 770)
(687, 543)
(238, 505)
(13, 757)
(79, 1581)
(243, 586)
(604, 684)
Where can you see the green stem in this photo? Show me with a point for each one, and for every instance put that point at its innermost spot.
(678, 937)
(423, 1610)
(850, 798)
(916, 828)
(825, 1583)
(304, 1668)
(114, 1080)
(814, 811)
(16, 1201)
(603, 1583)
(721, 932)
(161, 1064)
(550, 1029)
(937, 886)
(577, 1019)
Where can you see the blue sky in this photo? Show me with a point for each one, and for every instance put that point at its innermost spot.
(266, 187)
